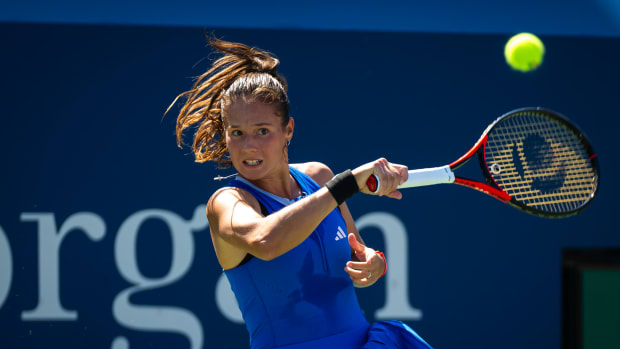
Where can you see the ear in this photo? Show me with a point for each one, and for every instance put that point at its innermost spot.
(290, 127)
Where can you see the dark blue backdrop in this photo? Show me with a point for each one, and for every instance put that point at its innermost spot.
(549, 17)
(87, 159)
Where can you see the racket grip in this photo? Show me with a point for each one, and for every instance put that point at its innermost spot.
(418, 178)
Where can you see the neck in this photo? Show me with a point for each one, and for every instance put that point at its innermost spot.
(282, 184)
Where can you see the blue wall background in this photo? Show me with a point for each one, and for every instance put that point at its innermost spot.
(82, 131)
(551, 17)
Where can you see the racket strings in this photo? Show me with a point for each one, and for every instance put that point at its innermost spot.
(550, 168)
(540, 162)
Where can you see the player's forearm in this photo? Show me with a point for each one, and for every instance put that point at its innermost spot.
(285, 229)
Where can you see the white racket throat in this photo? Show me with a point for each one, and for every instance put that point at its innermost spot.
(429, 176)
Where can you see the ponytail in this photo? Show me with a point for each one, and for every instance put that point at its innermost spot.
(242, 71)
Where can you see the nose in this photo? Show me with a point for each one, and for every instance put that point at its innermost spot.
(250, 144)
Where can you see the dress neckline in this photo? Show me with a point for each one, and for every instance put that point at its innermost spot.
(284, 201)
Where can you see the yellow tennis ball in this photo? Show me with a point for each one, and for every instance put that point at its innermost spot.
(524, 52)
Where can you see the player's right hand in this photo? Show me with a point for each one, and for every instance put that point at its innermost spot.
(390, 176)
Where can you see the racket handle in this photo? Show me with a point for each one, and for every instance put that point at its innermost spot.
(418, 178)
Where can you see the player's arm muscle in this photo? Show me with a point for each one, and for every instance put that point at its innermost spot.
(235, 218)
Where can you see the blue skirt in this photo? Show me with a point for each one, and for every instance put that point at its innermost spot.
(381, 335)
(393, 335)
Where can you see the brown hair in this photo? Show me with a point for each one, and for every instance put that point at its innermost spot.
(242, 72)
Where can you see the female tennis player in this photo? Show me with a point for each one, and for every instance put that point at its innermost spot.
(282, 232)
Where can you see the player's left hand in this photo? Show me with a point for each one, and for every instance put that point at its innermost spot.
(369, 267)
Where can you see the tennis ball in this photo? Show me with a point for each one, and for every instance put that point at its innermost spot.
(524, 52)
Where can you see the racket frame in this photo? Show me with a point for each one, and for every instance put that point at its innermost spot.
(490, 187)
(495, 189)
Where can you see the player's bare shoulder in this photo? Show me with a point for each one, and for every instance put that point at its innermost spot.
(318, 171)
(227, 197)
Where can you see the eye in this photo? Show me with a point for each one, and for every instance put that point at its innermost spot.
(236, 133)
(263, 131)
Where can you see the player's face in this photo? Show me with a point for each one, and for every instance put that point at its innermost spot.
(256, 139)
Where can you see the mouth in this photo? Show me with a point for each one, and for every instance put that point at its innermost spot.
(252, 163)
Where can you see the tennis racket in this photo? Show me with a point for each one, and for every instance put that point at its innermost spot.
(531, 158)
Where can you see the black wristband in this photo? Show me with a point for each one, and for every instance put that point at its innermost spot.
(342, 186)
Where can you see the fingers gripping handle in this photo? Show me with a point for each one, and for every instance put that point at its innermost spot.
(418, 178)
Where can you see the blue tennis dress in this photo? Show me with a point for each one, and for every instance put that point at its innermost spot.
(304, 299)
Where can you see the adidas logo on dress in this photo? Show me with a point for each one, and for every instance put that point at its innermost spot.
(340, 234)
